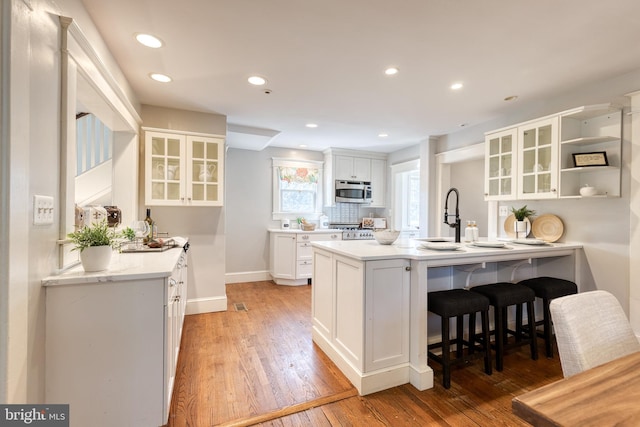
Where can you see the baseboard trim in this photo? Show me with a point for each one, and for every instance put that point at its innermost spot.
(247, 276)
(206, 305)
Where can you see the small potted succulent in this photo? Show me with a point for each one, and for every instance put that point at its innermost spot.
(520, 225)
(95, 243)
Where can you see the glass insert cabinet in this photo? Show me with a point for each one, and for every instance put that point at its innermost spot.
(538, 162)
(500, 165)
(183, 169)
(536, 159)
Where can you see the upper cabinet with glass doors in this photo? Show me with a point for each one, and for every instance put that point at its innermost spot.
(500, 165)
(555, 156)
(183, 169)
(538, 159)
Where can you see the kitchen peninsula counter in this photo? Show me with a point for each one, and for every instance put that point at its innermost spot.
(369, 301)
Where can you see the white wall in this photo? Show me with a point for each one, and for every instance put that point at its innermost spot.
(249, 208)
(30, 151)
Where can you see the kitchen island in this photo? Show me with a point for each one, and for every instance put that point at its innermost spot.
(112, 338)
(369, 301)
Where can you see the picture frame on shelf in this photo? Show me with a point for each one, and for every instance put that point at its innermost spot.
(595, 158)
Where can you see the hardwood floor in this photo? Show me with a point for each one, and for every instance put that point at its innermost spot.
(260, 367)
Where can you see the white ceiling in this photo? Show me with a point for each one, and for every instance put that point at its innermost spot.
(324, 61)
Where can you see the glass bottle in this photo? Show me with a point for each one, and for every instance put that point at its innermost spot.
(468, 232)
(151, 224)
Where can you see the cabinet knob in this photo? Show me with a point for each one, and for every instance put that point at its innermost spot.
(407, 268)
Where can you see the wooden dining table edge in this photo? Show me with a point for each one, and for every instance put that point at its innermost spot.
(530, 415)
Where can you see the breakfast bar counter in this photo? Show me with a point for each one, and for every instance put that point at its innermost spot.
(369, 301)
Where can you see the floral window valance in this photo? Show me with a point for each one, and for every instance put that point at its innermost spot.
(298, 175)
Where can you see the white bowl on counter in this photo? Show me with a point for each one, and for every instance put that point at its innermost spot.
(385, 237)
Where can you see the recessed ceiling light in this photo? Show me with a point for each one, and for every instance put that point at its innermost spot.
(149, 41)
(511, 98)
(383, 135)
(257, 80)
(311, 125)
(391, 71)
(456, 86)
(302, 145)
(162, 78)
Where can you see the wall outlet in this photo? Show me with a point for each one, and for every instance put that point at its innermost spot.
(503, 211)
(42, 210)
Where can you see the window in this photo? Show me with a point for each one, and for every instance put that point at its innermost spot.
(406, 195)
(297, 189)
(94, 142)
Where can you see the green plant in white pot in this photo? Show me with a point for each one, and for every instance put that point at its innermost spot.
(96, 244)
(522, 228)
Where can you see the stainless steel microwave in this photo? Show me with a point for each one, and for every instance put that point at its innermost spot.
(353, 191)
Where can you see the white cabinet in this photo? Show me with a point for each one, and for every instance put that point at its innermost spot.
(183, 169)
(283, 256)
(500, 165)
(112, 345)
(378, 183)
(353, 168)
(361, 310)
(291, 261)
(351, 165)
(593, 129)
(542, 153)
(387, 292)
(176, 308)
(538, 159)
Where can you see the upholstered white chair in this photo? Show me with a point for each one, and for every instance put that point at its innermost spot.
(591, 329)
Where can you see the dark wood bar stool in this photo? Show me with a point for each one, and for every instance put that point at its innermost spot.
(548, 288)
(501, 296)
(456, 303)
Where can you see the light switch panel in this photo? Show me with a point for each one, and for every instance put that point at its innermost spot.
(504, 211)
(42, 210)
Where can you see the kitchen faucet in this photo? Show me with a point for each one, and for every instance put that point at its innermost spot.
(456, 224)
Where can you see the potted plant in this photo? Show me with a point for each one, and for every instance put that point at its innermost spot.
(95, 243)
(521, 224)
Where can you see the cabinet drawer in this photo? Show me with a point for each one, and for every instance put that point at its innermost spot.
(305, 269)
(318, 237)
(305, 251)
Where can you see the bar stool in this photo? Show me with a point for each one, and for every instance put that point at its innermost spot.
(502, 295)
(456, 303)
(548, 288)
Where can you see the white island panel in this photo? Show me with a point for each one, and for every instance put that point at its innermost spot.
(349, 305)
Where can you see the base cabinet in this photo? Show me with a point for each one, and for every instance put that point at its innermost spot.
(291, 261)
(361, 312)
(112, 348)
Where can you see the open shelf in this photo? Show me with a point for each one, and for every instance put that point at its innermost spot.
(590, 140)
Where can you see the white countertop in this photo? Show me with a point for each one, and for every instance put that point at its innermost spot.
(298, 231)
(123, 266)
(368, 250)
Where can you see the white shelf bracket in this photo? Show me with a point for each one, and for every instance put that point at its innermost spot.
(517, 265)
(470, 269)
